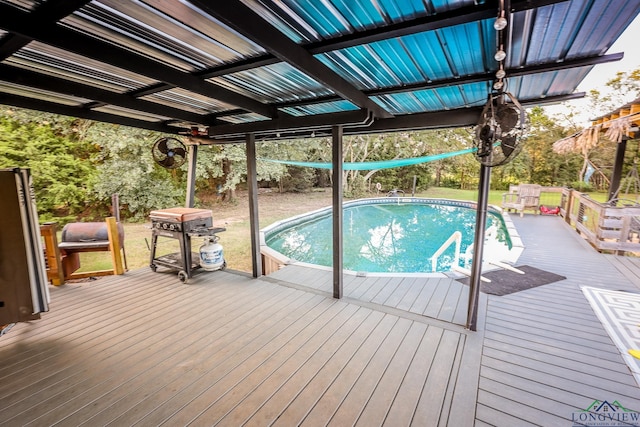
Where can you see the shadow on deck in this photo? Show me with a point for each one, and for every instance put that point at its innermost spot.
(145, 349)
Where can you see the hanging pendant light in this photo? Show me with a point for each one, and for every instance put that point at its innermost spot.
(500, 23)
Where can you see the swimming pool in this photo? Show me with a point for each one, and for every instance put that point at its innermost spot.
(393, 235)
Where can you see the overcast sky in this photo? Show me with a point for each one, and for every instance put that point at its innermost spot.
(628, 43)
(604, 72)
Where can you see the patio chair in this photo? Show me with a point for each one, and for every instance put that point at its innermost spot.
(526, 197)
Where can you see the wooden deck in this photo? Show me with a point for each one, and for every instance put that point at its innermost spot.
(226, 349)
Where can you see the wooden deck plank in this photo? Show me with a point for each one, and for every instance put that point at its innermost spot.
(367, 288)
(527, 356)
(136, 353)
(410, 297)
(413, 383)
(430, 287)
(281, 398)
(221, 399)
(145, 349)
(610, 361)
(564, 379)
(360, 393)
(529, 331)
(91, 342)
(245, 353)
(432, 402)
(559, 327)
(305, 400)
(436, 300)
(586, 322)
(461, 311)
(487, 415)
(337, 392)
(570, 399)
(513, 412)
(627, 266)
(398, 294)
(466, 391)
(445, 308)
(385, 390)
(387, 290)
(62, 324)
(170, 368)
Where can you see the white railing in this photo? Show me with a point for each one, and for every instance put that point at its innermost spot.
(456, 238)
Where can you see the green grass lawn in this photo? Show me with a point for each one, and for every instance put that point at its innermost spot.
(236, 240)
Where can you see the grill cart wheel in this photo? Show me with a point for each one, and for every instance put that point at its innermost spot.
(182, 275)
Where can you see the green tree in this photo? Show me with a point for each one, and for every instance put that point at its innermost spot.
(126, 167)
(624, 87)
(596, 149)
(61, 165)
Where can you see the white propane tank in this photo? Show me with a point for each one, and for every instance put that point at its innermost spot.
(211, 254)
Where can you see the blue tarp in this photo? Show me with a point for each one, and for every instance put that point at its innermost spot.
(383, 164)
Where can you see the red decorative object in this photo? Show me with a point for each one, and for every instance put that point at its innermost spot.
(545, 210)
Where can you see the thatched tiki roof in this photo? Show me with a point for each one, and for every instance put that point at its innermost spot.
(618, 125)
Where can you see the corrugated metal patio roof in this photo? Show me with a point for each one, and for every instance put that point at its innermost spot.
(225, 68)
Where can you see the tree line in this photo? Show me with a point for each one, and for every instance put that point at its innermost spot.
(78, 164)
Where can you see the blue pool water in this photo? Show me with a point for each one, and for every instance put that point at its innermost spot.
(386, 235)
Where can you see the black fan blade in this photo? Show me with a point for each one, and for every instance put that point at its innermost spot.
(180, 152)
(508, 144)
(162, 146)
(507, 117)
(168, 162)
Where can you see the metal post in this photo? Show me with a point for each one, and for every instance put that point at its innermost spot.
(252, 182)
(478, 246)
(616, 177)
(115, 206)
(336, 134)
(191, 176)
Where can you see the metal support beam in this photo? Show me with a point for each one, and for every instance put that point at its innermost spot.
(252, 182)
(191, 176)
(71, 111)
(616, 176)
(250, 24)
(21, 23)
(59, 85)
(478, 246)
(336, 147)
(431, 22)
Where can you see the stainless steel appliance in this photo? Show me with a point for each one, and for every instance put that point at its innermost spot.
(24, 292)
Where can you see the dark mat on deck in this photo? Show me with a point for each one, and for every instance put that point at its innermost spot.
(505, 282)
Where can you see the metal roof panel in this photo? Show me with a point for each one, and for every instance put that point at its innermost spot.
(188, 101)
(332, 56)
(468, 95)
(133, 114)
(189, 40)
(40, 94)
(279, 82)
(320, 108)
(53, 61)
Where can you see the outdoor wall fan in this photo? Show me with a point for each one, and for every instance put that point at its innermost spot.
(500, 130)
(169, 152)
